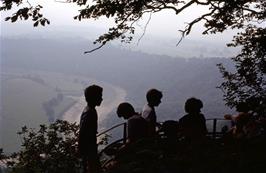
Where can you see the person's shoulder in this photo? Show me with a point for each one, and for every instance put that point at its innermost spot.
(244, 114)
(88, 113)
(146, 107)
(185, 117)
(146, 111)
(135, 117)
(86, 108)
(84, 113)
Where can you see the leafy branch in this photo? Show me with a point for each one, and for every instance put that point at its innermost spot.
(25, 13)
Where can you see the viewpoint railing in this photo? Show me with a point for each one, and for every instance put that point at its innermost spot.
(123, 125)
(215, 127)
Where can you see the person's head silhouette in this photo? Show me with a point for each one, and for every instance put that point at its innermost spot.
(154, 97)
(193, 105)
(93, 95)
(125, 110)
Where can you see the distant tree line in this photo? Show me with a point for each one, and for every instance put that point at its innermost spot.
(49, 106)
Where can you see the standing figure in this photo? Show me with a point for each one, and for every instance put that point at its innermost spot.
(193, 124)
(87, 141)
(136, 125)
(153, 97)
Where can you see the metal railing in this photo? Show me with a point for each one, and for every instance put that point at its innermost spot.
(124, 137)
(215, 129)
(214, 126)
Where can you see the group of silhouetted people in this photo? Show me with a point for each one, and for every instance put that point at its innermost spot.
(139, 125)
(143, 124)
(191, 127)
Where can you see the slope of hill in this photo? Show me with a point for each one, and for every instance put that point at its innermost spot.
(135, 72)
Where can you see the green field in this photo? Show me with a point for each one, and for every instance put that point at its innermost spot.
(23, 98)
(22, 105)
(25, 92)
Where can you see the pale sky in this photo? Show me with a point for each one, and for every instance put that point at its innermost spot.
(160, 37)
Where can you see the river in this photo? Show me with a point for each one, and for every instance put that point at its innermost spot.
(74, 112)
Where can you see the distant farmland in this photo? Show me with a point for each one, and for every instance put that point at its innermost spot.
(24, 94)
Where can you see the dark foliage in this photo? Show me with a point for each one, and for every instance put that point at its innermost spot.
(248, 83)
(2, 156)
(52, 148)
(164, 156)
(24, 13)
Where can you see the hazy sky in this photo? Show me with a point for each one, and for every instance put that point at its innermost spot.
(161, 35)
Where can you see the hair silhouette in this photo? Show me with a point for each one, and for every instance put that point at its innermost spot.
(125, 110)
(153, 97)
(193, 105)
(93, 95)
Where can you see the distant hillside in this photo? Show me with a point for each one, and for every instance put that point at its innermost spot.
(136, 72)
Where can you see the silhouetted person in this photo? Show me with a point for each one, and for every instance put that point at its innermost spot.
(193, 124)
(137, 127)
(87, 141)
(241, 108)
(244, 124)
(153, 97)
(170, 136)
(170, 129)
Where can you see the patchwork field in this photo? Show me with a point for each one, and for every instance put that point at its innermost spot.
(32, 98)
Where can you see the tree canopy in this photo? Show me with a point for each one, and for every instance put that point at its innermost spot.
(221, 14)
(248, 83)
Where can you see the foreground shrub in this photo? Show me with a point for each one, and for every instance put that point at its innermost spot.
(49, 149)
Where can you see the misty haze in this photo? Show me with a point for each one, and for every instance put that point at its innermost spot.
(42, 79)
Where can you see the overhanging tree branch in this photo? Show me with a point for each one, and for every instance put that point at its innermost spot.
(145, 27)
(90, 51)
(221, 15)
